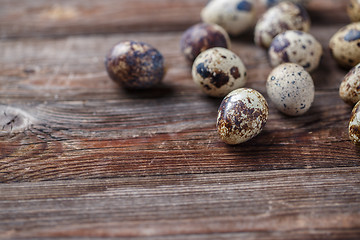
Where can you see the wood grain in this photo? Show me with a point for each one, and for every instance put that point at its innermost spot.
(37, 18)
(49, 18)
(295, 204)
(82, 158)
(81, 125)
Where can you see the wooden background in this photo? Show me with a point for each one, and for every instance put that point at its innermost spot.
(82, 158)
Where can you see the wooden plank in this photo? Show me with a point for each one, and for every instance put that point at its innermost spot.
(48, 18)
(73, 122)
(290, 204)
(66, 145)
(37, 18)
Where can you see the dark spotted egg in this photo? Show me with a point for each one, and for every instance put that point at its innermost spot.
(201, 37)
(345, 45)
(134, 64)
(235, 16)
(279, 18)
(349, 90)
(354, 124)
(241, 116)
(296, 47)
(218, 71)
(291, 89)
(353, 10)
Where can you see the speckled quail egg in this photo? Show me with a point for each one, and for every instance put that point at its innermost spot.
(296, 47)
(241, 116)
(279, 18)
(218, 71)
(353, 10)
(235, 16)
(345, 45)
(270, 3)
(134, 64)
(349, 90)
(291, 89)
(200, 37)
(354, 124)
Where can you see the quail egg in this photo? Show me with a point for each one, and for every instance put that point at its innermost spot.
(353, 10)
(345, 45)
(279, 18)
(354, 124)
(134, 64)
(235, 16)
(241, 116)
(291, 89)
(349, 90)
(218, 71)
(296, 47)
(200, 37)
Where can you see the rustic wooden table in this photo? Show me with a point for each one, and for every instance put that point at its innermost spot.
(82, 158)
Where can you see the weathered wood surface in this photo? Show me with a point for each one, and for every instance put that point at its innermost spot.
(293, 204)
(21, 18)
(149, 164)
(69, 114)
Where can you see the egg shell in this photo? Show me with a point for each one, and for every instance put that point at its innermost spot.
(354, 124)
(241, 116)
(296, 47)
(235, 16)
(345, 45)
(279, 18)
(134, 64)
(349, 90)
(291, 89)
(201, 37)
(218, 71)
(270, 3)
(353, 10)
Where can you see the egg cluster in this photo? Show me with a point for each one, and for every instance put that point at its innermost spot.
(282, 30)
(345, 48)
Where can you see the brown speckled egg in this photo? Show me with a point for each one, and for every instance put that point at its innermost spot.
(291, 89)
(241, 116)
(134, 64)
(296, 47)
(353, 10)
(235, 16)
(201, 37)
(354, 124)
(349, 90)
(345, 45)
(279, 18)
(218, 71)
